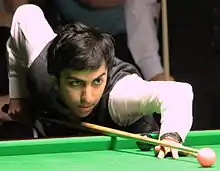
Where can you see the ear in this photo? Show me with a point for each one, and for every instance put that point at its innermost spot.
(54, 81)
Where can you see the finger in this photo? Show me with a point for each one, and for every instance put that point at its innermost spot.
(161, 154)
(7, 110)
(13, 111)
(17, 110)
(175, 153)
(165, 150)
(157, 149)
(10, 111)
(5, 117)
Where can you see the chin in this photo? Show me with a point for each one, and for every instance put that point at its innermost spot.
(83, 114)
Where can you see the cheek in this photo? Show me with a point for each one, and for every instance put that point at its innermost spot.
(100, 90)
(69, 95)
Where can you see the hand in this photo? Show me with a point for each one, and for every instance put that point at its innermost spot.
(161, 77)
(4, 117)
(162, 152)
(103, 3)
(15, 106)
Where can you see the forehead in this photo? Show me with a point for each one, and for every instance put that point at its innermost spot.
(85, 75)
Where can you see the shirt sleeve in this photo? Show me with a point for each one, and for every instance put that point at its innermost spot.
(17, 69)
(132, 98)
(141, 27)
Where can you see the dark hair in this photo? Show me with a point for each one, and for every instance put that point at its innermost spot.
(79, 47)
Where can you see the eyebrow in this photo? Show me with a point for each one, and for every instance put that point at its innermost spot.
(75, 78)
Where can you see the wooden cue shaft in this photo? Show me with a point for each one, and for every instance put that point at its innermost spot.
(114, 132)
(191, 153)
(165, 37)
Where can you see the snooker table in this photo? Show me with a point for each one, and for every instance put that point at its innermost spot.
(97, 153)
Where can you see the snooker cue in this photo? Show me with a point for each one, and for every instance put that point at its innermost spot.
(165, 37)
(113, 132)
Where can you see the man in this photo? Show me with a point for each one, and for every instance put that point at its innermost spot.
(86, 82)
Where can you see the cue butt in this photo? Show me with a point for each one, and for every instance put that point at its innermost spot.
(166, 63)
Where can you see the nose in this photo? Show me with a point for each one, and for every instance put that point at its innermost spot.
(86, 95)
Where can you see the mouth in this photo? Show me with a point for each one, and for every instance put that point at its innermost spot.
(85, 108)
(81, 106)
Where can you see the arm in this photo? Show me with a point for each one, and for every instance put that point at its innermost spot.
(17, 69)
(173, 100)
(140, 17)
(25, 45)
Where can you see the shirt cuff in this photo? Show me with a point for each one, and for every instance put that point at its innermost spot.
(150, 67)
(18, 88)
(170, 126)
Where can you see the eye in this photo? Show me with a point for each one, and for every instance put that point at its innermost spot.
(75, 83)
(97, 81)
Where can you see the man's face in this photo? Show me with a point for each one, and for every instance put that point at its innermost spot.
(82, 90)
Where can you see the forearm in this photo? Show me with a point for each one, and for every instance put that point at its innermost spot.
(150, 66)
(142, 36)
(17, 87)
(17, 73)
(176, 114)
(174, 101)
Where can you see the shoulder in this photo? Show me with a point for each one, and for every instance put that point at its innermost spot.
(124, 100)
(130, 80)
(121, 69)
(127, 87)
